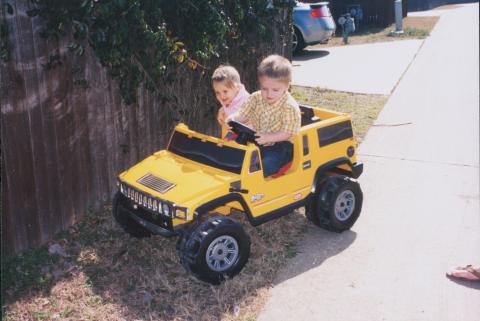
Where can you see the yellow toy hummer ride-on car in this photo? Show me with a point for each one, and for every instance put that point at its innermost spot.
(189, 189)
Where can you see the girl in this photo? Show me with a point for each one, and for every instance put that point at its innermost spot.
(230, 92)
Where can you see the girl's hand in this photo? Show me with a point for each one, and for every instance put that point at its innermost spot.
(221, 117)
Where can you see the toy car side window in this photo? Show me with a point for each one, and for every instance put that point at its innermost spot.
(254, 162)
(334, 133)
(305, 145)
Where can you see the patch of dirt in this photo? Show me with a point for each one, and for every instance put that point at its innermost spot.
(414, 27)
(423, 23)
(363, 108)
(106, 275)
(448, 7)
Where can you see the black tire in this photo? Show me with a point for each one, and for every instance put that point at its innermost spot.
(212, 238)
(297, 41)
(310, 211)
(337, 204)
(125, 221)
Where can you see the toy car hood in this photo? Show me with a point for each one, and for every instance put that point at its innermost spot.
(171, 178)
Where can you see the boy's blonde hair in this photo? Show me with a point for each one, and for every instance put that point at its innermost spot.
(276, 67)
(227, 75)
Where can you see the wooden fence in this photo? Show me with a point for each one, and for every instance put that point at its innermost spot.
(63, 145)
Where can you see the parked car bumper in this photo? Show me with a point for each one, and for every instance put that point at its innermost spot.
(317, 31)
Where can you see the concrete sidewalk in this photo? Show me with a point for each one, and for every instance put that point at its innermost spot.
(372, 68)
(368, 68)
(421, 211)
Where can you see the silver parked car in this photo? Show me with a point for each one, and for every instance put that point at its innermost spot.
(312, 23)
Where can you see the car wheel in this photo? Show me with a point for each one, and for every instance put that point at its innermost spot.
(216, 249)
(310, 211)
(297, 41)
(125, 221)
(337, 204)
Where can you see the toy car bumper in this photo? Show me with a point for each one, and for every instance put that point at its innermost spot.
(153, 222)
(357, 170)
(152, 228)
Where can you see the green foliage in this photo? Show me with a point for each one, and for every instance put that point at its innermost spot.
(415, 32)
(144, 41)
(23, 272)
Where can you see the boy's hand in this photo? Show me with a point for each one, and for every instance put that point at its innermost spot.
(263, 139)
(221, 117)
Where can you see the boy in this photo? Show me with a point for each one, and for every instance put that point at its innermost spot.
(273, 113)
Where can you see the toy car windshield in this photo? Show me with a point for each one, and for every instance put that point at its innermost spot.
(208, 153)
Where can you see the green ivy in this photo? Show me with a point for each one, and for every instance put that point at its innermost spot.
(145, 41)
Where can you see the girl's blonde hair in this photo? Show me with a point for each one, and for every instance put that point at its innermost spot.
(227, 75)
(276, 67)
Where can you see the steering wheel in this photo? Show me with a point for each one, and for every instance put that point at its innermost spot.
(244, 134)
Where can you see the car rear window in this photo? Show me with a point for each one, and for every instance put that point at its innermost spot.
(223, 157)
(327, 10)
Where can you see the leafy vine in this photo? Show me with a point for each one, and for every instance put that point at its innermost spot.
(144, 41)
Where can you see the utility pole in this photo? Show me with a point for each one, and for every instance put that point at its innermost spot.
(398, 19)
(398, 16)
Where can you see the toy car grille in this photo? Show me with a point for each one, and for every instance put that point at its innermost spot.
(156, 183)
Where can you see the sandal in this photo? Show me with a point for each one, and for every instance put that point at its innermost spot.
(468, 272)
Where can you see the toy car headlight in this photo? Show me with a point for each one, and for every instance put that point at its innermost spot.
(181, 213)
(166, 209)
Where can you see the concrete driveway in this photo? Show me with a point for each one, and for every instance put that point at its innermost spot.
(421, 211)
(368, 68)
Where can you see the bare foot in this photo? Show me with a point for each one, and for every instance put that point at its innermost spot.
(469, 272)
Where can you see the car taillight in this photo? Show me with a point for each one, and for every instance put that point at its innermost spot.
(321, 12)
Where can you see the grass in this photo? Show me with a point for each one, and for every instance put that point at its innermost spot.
(120, 278)
(363, 108)
(413, 27)
(25, 271)
(106, 275)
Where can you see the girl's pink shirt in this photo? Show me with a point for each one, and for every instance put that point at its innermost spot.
(237, 102)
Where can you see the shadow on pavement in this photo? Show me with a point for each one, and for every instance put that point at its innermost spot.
(467, 283)
(310, 54)
(318, 245)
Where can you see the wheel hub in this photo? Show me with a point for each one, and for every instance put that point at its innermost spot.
(222, 253)
(344, 205)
